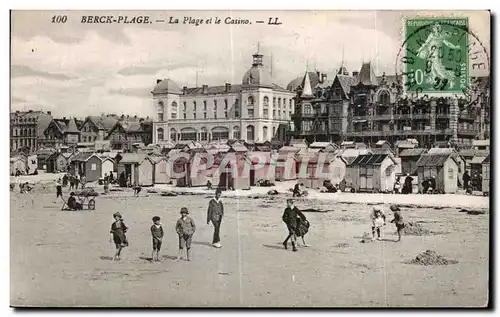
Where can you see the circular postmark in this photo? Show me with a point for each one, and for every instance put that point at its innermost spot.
(441, 57)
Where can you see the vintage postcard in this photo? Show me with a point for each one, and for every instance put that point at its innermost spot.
(250, 158)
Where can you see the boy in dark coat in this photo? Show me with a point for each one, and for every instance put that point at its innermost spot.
(215, 213)
(291, 218)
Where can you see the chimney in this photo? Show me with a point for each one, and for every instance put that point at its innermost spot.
(158, 81)
(205, 89)
(184, 90)
(355, 74)
(49, 113)
(323, 78)
(228, 87)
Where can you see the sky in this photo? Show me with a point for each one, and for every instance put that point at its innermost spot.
(75, 69)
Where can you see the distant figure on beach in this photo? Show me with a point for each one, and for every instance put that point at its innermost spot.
(185, 228)
(215, 213)
(157, 235)
(466, 180)
(397, 185)
(77, 181)
(299, 190)
(83, 181)
(292, 217)
(122, 181)
(65, 180)
(137, 190)
(58, 189)
(398, 220)
(209, 185)
(408, 185)
(118, 231)
(73, 204)
(106, 185)
(378, 221)
(111, 178)
(71, 182)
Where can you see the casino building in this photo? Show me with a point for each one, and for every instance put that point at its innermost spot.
(256, 110)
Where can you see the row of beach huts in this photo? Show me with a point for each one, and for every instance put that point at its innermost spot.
(351, 165)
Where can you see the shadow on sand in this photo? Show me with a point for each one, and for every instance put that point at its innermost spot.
(165, 257)
(278, 246)
(207, 244)
(107, 258)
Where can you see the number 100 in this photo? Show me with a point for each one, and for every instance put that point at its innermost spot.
(59, 19)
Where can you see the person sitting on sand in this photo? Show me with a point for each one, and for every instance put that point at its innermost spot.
(137, 190)
(185, 228)
(118, 231)
(398, 220)
(290, 217)
(378, 221)
(157, 234)
(73, 204)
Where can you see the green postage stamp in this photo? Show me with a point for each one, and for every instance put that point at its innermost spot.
(436, 55)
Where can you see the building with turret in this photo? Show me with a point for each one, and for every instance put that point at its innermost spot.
(255, 110)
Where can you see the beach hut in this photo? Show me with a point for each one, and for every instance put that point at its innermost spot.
(58, 162)
(87, 164)
(409, 158)
(459, 158)
(486, 176)
(231, 171)
(323, 167)
(31, 163)
(42, 155)
(107, 166)
(238, 147)
(161, 172)
(193, 169)
(137, 168)
(18, 162)
(443, 167)
(401, 145)
(263, 167)
(371, 173)
(383, 144)
(324, 146)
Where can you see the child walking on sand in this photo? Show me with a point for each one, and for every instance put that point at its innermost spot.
(378, 221)
(398, 220)
(185, 228)
(157, 234)
(118, 230)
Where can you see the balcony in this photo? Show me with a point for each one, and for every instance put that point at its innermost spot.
(467, 116)
(401, 132)
(421, 116)
(369, 133)
(382, 117)
(443, 115)
(361, 118)
(467, 132)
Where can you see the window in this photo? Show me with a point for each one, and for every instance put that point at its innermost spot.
(194, 106)
(204, 115)
(174, 106)
(236, 133)
(215, 105)
(174, 115)
(388, 171)
(250, 113)
(450, 173)
(307, 109)
(225, 114)
(203, 134)
(194, 115)
(265, 105)
(93, 166)
(274, 102)
(225, 104)
(160, 134)
(279, 102)
(251, 101)
(215, 114)
(188, 134)
(250, 133)
(274, 113)
(184, 115)
(173, 135)
(290, 106)
(384, 98)
(264, 133)
(236, 108)
(274, 132)
(220, 133)
(184, 106)
(204, 105)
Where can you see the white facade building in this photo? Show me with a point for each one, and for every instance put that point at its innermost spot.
(256, 110)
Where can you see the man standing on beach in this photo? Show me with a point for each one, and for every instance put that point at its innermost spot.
(214, 214)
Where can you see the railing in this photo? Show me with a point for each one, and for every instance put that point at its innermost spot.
(421, 116)
(468, 132)
(359, 118)
(400, 132)
(468, 116)
(443, 115)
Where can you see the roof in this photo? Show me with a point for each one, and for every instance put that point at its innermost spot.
(289, 149)
(103, 122)
(83, 157)
(128, 158)
(294, 84)
(72, 126)
(412, 152)
(353, 152)
(382, 142)
(346, 82)
(477, 159)
(166, 86)
(370, 159)
(468, 153)
(131, 126)
(380, 150)
(487, 160)
(258, 75)
(437, 150)
(367, 75)
(307, 90)
(433, 159)
(320, 145)
(238, 147)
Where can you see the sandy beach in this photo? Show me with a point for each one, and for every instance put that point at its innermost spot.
(63, 258)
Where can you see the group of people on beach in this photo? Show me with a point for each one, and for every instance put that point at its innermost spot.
(185, 229)
(379, 220)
